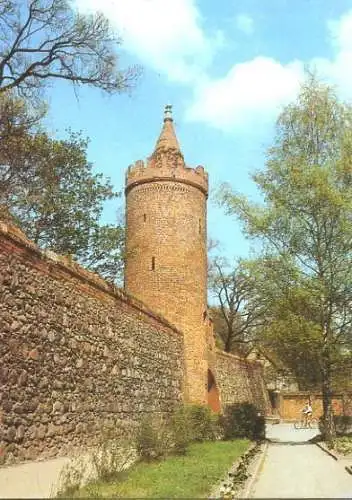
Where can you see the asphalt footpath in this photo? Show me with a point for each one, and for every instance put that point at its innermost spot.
(294, 468)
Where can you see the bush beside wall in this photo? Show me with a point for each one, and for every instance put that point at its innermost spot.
(243, 420)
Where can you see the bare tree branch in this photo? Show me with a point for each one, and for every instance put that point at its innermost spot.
(49, 34)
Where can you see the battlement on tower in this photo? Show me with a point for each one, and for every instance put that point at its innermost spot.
(166, 163)
(166, 168)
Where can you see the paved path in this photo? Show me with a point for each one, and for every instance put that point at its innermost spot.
(30, 480)
(294, 468)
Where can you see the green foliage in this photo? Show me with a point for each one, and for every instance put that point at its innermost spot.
(112, 457)
(343, 445)
(159, 437)
(51, 189)
(181, 430)
(189, 476)
(154, 438)
(71, 478)
(18, 122)
(202, 423)
(305, 229)
(243, 420)
(107, 461)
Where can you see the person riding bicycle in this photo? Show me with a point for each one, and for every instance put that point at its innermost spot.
(307, 413)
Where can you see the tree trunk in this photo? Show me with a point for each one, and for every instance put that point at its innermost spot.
(328, 416)
(227, 347)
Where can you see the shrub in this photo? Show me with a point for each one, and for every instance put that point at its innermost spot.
(202, 422)
(243, 420)
(343, 424)
(71, 478)
(111, 457)
(159, 437)
(181, 431)
(154, 438)
(104, 462)
(343, 445)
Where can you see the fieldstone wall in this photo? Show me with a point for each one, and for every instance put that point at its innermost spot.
(241, 381)
(76, 355)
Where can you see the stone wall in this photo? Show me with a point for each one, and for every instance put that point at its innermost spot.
(77, 355)
(241, 381)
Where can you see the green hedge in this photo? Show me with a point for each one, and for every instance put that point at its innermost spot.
(158, 437)
(343, 424)
(243, 420)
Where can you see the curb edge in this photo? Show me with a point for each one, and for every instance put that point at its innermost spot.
(331, 453)
(249, 487)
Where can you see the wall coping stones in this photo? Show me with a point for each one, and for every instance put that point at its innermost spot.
(66, 264)
(238, 358)
(315, 394)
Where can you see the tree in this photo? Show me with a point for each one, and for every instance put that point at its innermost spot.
(238, 315)
(60, 203)
(17, 124)
(289, 326)
(305, 220)
(44, 40)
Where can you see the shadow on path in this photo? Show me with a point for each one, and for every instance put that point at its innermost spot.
(290, 443)
(285, 433)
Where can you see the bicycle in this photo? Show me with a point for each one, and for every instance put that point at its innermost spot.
(310, 423)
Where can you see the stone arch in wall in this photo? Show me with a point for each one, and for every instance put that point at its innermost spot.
(213, 393)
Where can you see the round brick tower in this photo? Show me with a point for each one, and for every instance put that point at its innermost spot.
(166, 263)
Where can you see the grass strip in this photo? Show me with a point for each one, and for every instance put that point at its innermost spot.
(191, 475)
(343, 445)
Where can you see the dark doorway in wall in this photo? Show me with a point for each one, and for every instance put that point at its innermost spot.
(213, 393)
(274, 397)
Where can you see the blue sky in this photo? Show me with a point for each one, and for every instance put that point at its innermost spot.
(227, 67)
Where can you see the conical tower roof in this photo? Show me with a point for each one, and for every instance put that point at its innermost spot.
(167, 139)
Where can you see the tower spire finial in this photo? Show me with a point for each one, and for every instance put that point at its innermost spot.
(167, 139)
(168, 112)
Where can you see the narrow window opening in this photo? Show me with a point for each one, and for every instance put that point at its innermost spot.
(199, 226)
(145, 217)
(153, 263)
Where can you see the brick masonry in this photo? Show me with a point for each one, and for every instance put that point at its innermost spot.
(291, 404)
(166, 265)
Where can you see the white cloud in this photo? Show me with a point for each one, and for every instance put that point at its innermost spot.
(252, 92)
(245, 23)
(254, 88)
(165, 34)
(168, 36)
(338, 70)
(341, 32)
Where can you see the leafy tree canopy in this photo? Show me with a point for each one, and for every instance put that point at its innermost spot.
(51, 189)
(305, 225)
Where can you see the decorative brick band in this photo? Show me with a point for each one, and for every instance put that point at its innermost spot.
(167, 179)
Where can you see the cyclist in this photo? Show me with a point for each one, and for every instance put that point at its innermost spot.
(307, 413)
